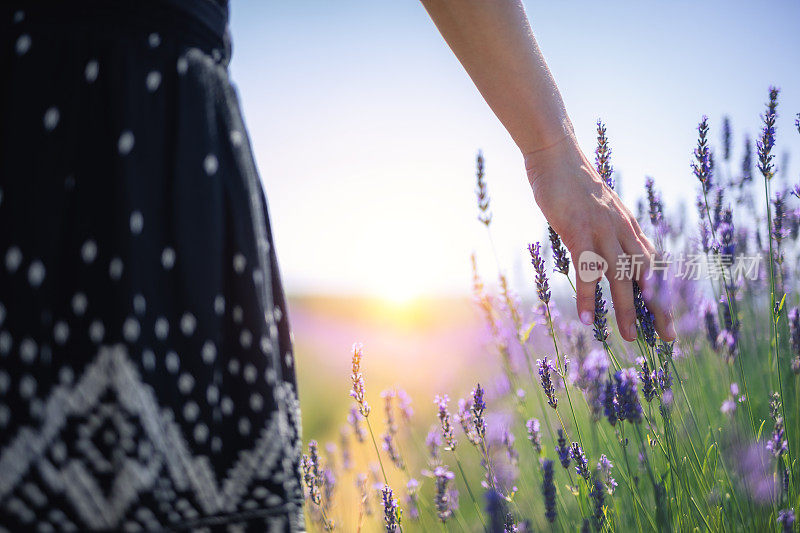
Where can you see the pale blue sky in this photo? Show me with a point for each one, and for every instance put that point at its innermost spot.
(365, 127)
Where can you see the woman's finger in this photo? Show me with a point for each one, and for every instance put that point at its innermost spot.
(621, 282)
(588, 271)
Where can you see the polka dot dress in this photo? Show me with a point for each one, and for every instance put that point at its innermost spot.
(146, 372)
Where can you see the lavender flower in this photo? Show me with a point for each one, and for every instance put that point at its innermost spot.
(392, 451)
(478, 407)
(433, 442)
(786, 520)
(656, 207)
(412, 499)
(391, 517)
(444, 508)
(603, 155)
(511, 452)
(496, 511)
(311, 473)
(404, 404)
(562, 449)
(646, 318)
(598, 495)
(549, 490)
(712, 330)
(727, 243)
(610, 402)
(357, 392)
(545, 368)
(388, 409)
(629, 407)
(726, 138)
(560, 256)
(600, 321)
(766, 141)
(702, 154)
(344, 440)
(355, 423)
(778, 223)
(542, 285)
(648, 378)
(777, 443)
(747, 162)
(581, 464)
(446, 421)
(464, 417)
(484, 214)
(534, 435)
(591, 381)
(604, 467)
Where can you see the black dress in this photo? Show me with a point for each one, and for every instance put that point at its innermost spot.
(146, 372)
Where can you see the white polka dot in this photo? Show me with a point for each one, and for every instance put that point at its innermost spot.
(256, 402)
(97, 331)
(216, 444)
(246, 339)
(66, 375)
(131, 329)
(270, 376)
(190, 411)
(19, 16)
(149, 360)
(226, 405)
(209, 352)
(216, 55)
(236, 137)
(51, 118)
(162, 328)
(91, 71)
(153, 80)
(185, 383)
(233, 366)
(154, 40)
(288, 359)
(258, 276)
(139, 304)
(79, 303)
(27, 386)
(173, 362)
(188, 323)
(13, 259)
(27, 350)
(23, 44)
(137, 222)
(239, 262)
(89, 251)
(5, 342)
(250, 373)
(266, 345)
(200, 433)
(168, 258)
(61, 332)
(238, 314)
(125, 143)
(277, 313)
(183, 65)
(219, 305)
(210, 164)
(212, 394)
(36, 273)
(244, 426)
(115, 267)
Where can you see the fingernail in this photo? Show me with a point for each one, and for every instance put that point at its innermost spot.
(586, 318)
(671, 331)
(632, 331)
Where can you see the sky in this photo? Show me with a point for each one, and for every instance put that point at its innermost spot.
(365, 127)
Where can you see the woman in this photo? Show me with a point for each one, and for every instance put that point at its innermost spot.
(146, 370)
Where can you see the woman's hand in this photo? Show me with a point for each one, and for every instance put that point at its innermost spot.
(590, 217)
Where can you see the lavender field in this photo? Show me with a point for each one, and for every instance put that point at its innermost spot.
(503, 414)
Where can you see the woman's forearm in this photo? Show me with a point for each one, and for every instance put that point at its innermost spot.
(494, 42)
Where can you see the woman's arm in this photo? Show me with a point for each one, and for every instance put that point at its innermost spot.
(494, 42)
